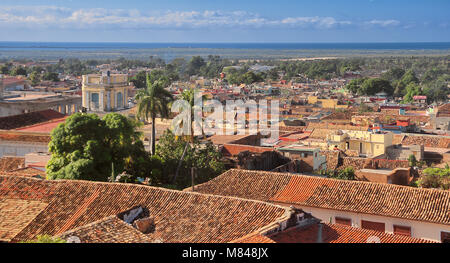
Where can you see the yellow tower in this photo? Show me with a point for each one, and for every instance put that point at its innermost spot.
(105, 92)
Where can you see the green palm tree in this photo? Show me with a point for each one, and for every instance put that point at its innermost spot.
(153, 101)
(189, 96)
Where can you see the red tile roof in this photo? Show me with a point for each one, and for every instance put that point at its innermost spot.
(331, 233)
(46, 127)
(107, 230)
(179, 216)
(10, 163)
(427, 205)
(27, 119)
(16, 214)
(23, 136)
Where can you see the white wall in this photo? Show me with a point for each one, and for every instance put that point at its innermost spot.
(10, 148)
(424, 230)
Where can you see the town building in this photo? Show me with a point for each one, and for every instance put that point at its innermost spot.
(415, 212)
(96, 212)
(105, 92)
(368, 144)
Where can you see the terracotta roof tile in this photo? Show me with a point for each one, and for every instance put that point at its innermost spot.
(246, 184)
(16, 214)
(18, 136)
(331, 233)
(179, 216)
(108, 230)
(428, 205)
(10, 163)
(27, 119)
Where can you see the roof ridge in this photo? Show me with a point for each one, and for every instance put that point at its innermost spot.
(340, 180)
(60, 182)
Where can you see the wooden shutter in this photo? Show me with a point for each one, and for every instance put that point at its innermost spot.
(445, 237)
(343, 221)
(373, 226)
(402, 230)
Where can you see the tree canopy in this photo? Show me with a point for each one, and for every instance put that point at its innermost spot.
(204, 157)
(85, 147)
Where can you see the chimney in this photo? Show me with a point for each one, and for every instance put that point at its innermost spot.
(320, 233)
(145, 225)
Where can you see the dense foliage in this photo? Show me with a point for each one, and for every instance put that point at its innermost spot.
(86, 147)
(407, 76)
(46, 239)
(435, 178)
(205, 158)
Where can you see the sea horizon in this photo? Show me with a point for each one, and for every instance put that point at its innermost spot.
(14, 45)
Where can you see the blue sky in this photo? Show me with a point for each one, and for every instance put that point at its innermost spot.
(225, 20)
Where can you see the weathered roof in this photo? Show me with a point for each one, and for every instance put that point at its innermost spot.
(19, 136)
(331, 233)
(429, 205)
(107, 230)
(27, 119)
(179, 216)
(9, 163)
(16, 214)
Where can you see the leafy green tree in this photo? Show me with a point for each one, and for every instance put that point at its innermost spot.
(376, 85)
(393, 74)
(35, 78)
(412, 160)
(411, 90)
(273, 74)
(85, 146)
(18, 71)
(346, 174)
(153, 101)
(194, 65)
(435, 178)
(139, 80)
(46, 239)
(51, 76)
(4, 69)
(204, 157)
(354, 86)
(409, 77)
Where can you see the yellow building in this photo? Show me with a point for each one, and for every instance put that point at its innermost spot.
(105, 92)
(365, 143)
(326, 103)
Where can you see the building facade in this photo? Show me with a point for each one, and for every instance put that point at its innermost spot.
(105, 92)
(368, 144)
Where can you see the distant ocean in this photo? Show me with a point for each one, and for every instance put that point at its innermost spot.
(170, 51)
(78, 46)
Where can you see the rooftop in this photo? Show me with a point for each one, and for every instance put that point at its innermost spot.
(389, 200)
(331, 233)
(62, 206)
(27, 119)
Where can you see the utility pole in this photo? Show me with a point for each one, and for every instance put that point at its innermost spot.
(192, 178)
(113, 176)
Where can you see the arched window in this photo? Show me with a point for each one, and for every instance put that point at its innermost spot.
(119, 100)
(95, 100)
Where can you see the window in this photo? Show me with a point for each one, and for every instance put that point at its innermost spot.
(402, 230)
(373, 226)
(119, 103)
(343, 221)
(445, 237)
(95, 100)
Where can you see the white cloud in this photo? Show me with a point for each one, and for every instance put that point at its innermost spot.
(383, 23)
(101, 18)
